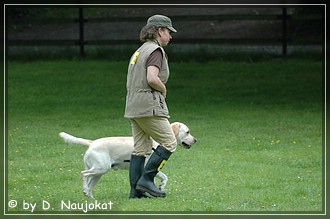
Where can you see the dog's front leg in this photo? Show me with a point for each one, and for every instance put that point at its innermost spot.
(163, 180)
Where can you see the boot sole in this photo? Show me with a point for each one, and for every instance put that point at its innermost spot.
(150, 193)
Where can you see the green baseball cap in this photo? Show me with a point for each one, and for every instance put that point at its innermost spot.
(161, 21)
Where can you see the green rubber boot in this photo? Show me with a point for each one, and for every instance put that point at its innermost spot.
(146, 183)
(135, 172)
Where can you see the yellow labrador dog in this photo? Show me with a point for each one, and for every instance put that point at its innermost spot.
(114, 153)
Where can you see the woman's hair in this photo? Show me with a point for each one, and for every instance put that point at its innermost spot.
(148, 32)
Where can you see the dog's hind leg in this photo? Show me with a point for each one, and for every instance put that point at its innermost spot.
(90, 178)
(85, 181)
(92, 181)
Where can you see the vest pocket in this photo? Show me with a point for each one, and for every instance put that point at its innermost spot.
(160, 108)
(161, 101)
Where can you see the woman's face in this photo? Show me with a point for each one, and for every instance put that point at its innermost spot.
(164, 36)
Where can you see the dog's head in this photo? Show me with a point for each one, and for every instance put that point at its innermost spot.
(182, 134)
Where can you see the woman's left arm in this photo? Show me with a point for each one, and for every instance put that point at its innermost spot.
(154, 81)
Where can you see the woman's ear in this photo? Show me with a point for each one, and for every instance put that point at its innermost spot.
(160, 31)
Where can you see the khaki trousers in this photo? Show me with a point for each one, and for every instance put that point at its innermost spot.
(157, 128)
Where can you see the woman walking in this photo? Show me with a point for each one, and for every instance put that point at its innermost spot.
(146, 108)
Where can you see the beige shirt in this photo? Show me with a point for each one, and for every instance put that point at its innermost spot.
(141, 99)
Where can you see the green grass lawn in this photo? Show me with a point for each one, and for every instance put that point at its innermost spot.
(259, 130)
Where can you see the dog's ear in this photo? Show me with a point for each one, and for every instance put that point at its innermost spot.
(176, 128)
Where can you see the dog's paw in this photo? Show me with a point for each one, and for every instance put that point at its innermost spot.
(87, 194)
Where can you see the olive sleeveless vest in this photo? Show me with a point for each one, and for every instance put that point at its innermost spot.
(141, 99)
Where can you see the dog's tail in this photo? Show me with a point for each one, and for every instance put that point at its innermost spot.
(74, 140)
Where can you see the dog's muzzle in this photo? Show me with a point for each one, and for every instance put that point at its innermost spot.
(187, 146)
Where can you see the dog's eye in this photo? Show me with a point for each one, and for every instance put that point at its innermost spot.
(188, 132)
